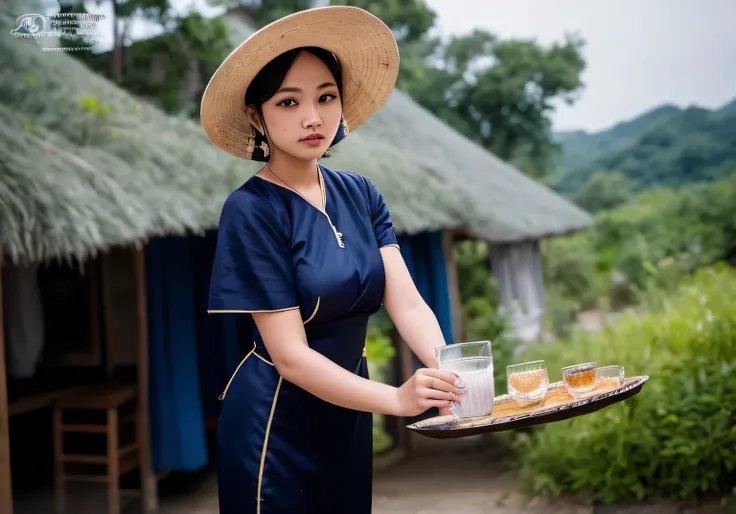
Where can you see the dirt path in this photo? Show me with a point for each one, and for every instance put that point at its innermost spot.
(448, 477)
(462, 476)
(465, 476)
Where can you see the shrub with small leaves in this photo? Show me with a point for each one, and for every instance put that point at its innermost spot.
(675, 439)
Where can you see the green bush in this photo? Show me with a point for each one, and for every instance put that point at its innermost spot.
(659, 236)
(677, 438)
(379, 352)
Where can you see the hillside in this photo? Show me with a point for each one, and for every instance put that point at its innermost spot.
(665, 146)
(580, 146)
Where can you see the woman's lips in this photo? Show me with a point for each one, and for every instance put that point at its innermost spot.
(314, 140)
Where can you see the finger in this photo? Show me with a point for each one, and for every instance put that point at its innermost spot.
(444, 383)
(441, 374)
(436, 394)
(440, 404)
(436, 383)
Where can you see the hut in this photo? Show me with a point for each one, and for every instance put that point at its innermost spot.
(107, 207)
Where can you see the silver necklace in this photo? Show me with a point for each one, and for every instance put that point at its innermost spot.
(338, 235)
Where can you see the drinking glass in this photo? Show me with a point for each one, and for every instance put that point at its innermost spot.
(613, 373)
(579, 378)
(527, 382)
(473, 363)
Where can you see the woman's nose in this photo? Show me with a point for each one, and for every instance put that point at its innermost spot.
(311, 118)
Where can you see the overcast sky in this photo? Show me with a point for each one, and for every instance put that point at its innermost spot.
(640, 53)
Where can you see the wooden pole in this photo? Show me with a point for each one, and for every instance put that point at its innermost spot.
(6, 488)
(149, 485)
(453, 286)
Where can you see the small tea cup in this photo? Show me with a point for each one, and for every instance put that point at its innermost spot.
(527, 382)
(613, 373)
(580, 378)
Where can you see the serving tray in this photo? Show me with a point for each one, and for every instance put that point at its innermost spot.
(558, 405)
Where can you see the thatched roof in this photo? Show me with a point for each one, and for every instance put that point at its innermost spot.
(85, 166)
(74, 180)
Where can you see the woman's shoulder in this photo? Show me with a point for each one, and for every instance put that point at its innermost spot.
(249, 200)
(351, 179)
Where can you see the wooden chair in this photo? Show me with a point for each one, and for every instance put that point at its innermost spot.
(112, 402)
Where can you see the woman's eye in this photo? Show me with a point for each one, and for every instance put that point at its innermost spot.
(289, 102)
(326, 98)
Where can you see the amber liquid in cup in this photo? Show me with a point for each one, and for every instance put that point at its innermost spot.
(527, 382)
(579, 379)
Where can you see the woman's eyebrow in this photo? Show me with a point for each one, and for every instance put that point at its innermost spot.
(299, 90)
(289, 90)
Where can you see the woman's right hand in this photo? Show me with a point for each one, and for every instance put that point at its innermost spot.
(427, 388)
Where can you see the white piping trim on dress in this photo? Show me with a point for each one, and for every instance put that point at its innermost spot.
(264, 450)
(224, 392)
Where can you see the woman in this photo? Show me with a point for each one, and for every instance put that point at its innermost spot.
(308, 254)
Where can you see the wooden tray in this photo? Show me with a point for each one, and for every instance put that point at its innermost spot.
(508, 415)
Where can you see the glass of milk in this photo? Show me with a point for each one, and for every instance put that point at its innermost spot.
(473, 363)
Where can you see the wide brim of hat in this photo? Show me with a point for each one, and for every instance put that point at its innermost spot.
(363, 44)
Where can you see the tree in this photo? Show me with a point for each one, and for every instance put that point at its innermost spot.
(408, 19)
(124, 11)
(502, 93)
(604, 191)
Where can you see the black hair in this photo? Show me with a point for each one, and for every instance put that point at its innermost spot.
(269, 79)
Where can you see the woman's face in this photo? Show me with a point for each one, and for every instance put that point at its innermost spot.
(303, 116)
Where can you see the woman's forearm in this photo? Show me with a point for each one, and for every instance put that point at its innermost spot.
(418, 326)
(328, 381)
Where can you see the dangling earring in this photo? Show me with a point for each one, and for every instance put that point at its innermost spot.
(264, 146)
(345, 128)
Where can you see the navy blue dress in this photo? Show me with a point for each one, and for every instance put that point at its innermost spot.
(282, 450)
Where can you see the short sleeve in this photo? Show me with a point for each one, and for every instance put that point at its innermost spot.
(383, 227)
(252, 269)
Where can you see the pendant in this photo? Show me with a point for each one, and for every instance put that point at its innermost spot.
(338, 236)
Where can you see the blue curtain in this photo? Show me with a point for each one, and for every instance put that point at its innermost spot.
(192, 353)
(425, 259)
(177, 418)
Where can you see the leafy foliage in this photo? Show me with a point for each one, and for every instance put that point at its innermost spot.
(500, 93)
(162, 67)
(478, 291)
(659, 236)
(409, 20)
(687, 228)
(675, 439)
(379, 352)
(604, 191)
(482, 316)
